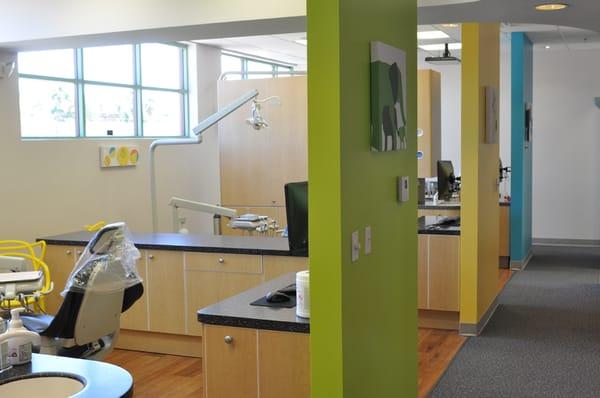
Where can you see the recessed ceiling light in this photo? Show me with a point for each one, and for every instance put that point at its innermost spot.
(431, 34)
(440, 47)
(301, 41)
(551, 6)
(546, 47)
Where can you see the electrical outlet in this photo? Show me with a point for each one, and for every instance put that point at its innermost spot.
(355, 246)
(368, 240)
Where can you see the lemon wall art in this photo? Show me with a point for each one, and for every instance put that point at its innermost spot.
(119, 156)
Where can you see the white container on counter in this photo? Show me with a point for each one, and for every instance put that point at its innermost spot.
(302, 294)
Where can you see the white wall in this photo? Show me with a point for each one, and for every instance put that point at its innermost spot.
(566, 144)
(451, 90)
(57, 186)
(505, 106)
(34, 19)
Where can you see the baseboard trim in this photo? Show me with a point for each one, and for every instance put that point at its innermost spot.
(471, 329)
(162, 343)
(433, 319)
(566, 242)
(521, 265)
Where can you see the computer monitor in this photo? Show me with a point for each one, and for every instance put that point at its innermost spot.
(296, 208)
(445, 176)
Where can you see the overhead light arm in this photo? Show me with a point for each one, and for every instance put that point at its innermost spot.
(198, 131)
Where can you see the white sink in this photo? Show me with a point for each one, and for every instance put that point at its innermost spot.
(42, 386)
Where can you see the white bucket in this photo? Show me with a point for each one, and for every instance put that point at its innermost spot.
(302, 294)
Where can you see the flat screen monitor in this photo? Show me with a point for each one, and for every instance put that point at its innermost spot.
(445, 176)
(296, 208)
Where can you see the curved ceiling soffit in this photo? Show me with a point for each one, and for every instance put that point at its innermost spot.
(582, 14)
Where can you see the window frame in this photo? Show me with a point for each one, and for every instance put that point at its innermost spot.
(243, 72)
(80, 82)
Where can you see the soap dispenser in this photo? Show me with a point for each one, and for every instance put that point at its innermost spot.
(20, 340)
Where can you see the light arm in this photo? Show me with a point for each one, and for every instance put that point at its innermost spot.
(198, 130)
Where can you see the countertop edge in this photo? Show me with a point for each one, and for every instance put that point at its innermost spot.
(250, 323)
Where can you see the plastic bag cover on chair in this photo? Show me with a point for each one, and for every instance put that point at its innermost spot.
(110, 251)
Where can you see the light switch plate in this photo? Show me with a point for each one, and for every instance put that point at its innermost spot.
(355, 246)
(368, 240)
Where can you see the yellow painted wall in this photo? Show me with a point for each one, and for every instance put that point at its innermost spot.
(479, 196)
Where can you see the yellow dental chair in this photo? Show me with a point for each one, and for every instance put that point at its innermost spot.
(21, 252)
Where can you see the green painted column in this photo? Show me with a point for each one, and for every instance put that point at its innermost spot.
(364, 313)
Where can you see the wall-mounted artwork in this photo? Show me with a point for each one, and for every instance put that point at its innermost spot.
(118, 155)
(528, 122)
(491, 115)
(388, 98)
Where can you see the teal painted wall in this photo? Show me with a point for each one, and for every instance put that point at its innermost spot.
(521, 151)
(364, 313)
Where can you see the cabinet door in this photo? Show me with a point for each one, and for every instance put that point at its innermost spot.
(444, 272)
(423, 283)
(165, 292)
(230, 362)
(206, 288)
(136, 317)
(60, 261)
(283, 364)
(275, 266)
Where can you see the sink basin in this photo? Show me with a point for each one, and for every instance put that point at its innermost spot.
(52, 386)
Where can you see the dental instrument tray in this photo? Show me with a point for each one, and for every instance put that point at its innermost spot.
(14, 283)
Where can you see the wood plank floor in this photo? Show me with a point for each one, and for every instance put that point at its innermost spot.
(159, 375)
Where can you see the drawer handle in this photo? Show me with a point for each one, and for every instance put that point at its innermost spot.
(221, 260)
(79, 252)
(151, 256)
(228, 339)
(68, 252)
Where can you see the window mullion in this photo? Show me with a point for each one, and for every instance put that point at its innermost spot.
(79, 89)
(137, 81)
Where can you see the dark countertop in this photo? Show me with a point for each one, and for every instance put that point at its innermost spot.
(191, 243)
(101, 379)
(452, 205)
(236, 311)
(427, 226)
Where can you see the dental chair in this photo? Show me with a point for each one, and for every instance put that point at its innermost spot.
(104, 283)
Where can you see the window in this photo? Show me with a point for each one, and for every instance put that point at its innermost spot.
(242, 68)
(120, 91)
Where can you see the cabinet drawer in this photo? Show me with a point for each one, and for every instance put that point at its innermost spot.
(222, 262)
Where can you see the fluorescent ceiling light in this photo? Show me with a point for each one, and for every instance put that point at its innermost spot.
(450, 25)
(301, 41)
(440, 47)
(431, 34)
(551, 7)
(546, 47)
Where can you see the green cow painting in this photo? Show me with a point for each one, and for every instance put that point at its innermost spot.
(388, 98)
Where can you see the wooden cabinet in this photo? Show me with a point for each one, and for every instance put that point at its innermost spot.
(255, 166)
(60, 261)
(165, 291)
(212, 277)
(230, 362)
(283, 364)
(275, 266)
(241, 362)
(439, 272)
(429, 121)
(136, 317)
(504, 231)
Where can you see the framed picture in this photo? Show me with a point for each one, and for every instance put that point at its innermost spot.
(491, 115)
(388, 98)
(528, 122)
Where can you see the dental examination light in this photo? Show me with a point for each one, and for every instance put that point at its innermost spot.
(257, 123)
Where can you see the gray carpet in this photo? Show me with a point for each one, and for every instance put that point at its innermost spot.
(543, 340)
